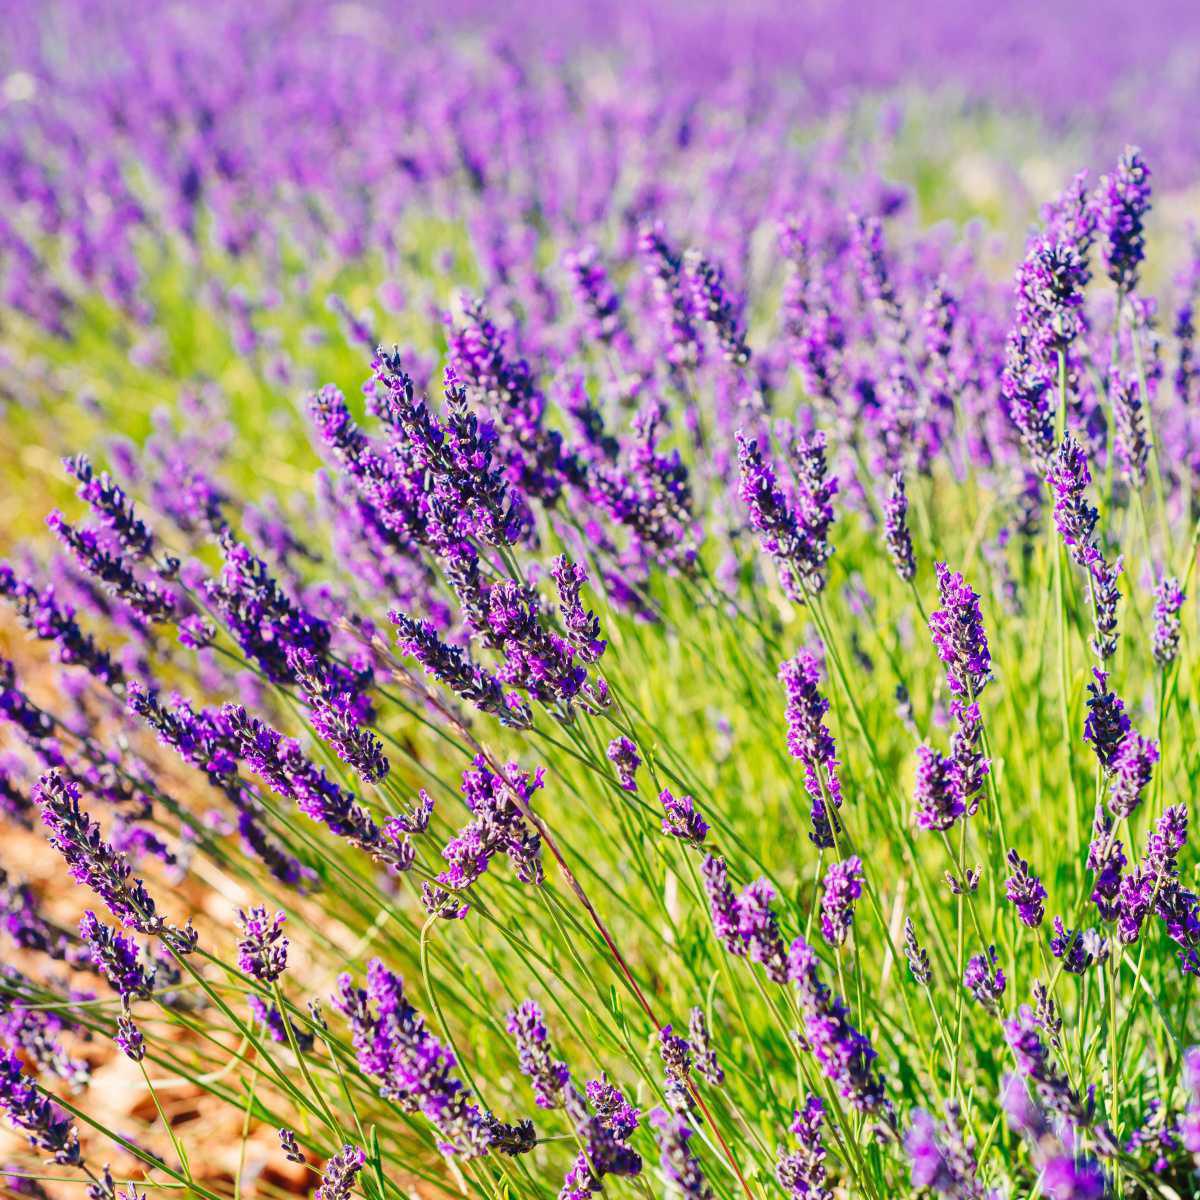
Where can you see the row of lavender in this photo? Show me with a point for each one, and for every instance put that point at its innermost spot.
(650, 431)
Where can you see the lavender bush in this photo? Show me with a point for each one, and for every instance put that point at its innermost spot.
(598, 604)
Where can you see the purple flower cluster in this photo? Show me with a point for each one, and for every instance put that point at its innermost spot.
(289, 772)
(549, 1076)
(1122, 201)
(810, 741)
(985, 980)
(681, 819)
(623, 755)
(680, 1166)
(604, 1122)
(1168, 600)
(943, 1160)
(262, 950)
(500, 822)
(1025, 891)
(895, 529)
(842, 887)
(745, 923)
(795, 532)
(801, 1171)
(411, 1066)
(845, 1055)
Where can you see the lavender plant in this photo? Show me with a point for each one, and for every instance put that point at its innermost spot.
(481, 494)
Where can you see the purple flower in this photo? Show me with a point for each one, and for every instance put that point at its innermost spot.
(290, 1147)
(812, 744)
(117, 957)
(262, 950)
(942, 1159)
(93, 862)
(465, 494)
(895, 529)
(548, 1076)
(1033, 1061)
(1106, 725)
(958, 635)
(705, 1057)
(1132, 766)
(452, 666)
(796, 537)
(680, 1167)
(113, 508)
(984, 980)
(1122, 201)
(128, 1038)
(48, 1128)
(622, 753)
(259, 616)
(672, 302)
(712, 303)
(1106, 859)
(758, 928)
(339, 709)
(1168, 600)
(113, 571)
(47, 619)
(842, 887)
(500, 823)
(1069, 1177)
(595, 294)
(722, 904)
(1132, 446)
(1078, 948)
(915, 955)
(290, 773)
(1024, 889)
(1075, 518)
(676, 1055)
(1106, 595)
(536, 660)
(605, 1134)
(937, 792)
(681, 819)
(410, 1065)
(535, 462)
(801, 1171)
(339, 1175)
(845, 1055)
(581, 625)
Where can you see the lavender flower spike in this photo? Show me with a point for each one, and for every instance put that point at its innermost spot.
(680, 1167)
(548, 1076)
(340, 1173)
(623, 755)
(681, 820)
(1132, 767)
(92, 861)
(845, 1055)
(812, 744)
(705, 1056)
(1024, 889)
(1168, 600)
(1122, 201)
(46, 1125)
(896, 535)
(843, 886)
(984, 980)
(801, 1172)
(958, 635)
(262, 951)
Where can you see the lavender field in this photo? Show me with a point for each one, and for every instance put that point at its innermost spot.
(599, 599)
